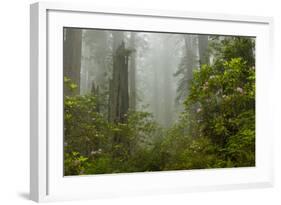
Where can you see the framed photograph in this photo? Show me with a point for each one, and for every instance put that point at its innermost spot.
(129, 102)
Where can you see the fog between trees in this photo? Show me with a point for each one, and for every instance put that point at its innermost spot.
(153, 59)
(127, 95)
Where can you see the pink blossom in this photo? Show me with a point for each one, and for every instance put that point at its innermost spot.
(205, 86)
(96, 152)
(240, 90)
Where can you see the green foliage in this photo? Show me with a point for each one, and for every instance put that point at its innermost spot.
(218, 95)
(184, 72)
(217, 127)
(109, 148)
(234, 47)
(84, 128)
(69, 84)
(92, 145)
(74, 163)
(215, 130)
(221, 108)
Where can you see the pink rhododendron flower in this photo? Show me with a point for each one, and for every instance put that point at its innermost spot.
(240, 90)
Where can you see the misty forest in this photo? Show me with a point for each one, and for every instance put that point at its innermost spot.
(148, 101)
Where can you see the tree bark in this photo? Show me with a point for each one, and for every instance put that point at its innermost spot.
(203, 49)
(132, 73)
(190, 55)
(119, 92)
(72, 57)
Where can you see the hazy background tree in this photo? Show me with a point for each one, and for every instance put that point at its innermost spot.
(203, 49)
(95, 55)
(132, 71)
(189, 62)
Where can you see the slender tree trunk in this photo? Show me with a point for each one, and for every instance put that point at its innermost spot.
(203, 49)
(167, 96)
(132, 73)
(189, 56)
(72, 57)
(95, 92)
(190, 52)
(156, 82)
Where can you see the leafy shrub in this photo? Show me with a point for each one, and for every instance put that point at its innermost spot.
(92, 145)
(216, 128)
(74, 163)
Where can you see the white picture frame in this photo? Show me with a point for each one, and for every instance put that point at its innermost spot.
(47, 182)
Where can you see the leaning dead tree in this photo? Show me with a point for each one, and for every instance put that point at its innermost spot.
(119, 90)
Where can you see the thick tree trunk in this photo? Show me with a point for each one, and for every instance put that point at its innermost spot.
(72, 57)
(203, 49)
(119, 90)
